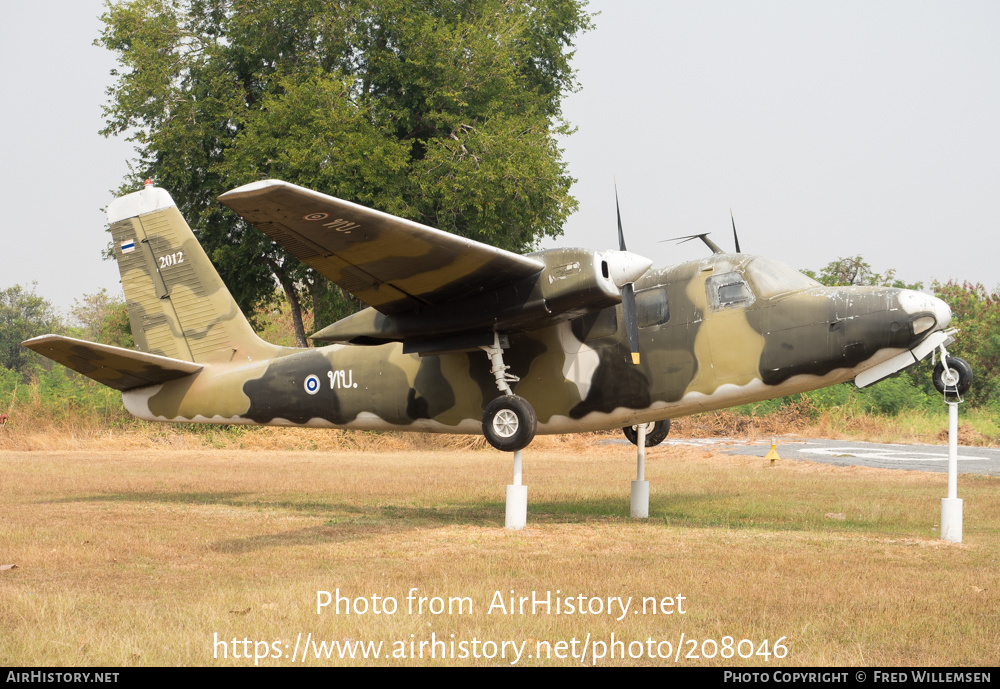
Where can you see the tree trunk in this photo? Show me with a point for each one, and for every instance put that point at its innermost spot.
(293, 301)
(316, 287)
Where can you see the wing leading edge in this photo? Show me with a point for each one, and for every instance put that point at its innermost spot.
(393, 264)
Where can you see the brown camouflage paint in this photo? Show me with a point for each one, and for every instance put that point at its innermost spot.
(566, 342)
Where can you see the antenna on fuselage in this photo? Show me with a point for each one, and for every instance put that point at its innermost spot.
(716, 249)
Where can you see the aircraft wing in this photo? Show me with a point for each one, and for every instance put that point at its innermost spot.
(121, 369)
(390, 263)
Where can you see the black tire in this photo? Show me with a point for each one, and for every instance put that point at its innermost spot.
(509, 423)
(653, 437)
(956, 367)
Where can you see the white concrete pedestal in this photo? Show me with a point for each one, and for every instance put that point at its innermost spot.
(517, 499)
(517, 508)
(640, 487)
(951, 506)
(951, 519)
(640, 500)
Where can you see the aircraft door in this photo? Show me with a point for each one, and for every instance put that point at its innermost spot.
(736, 345)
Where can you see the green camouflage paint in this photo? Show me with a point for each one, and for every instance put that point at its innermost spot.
(724, 330)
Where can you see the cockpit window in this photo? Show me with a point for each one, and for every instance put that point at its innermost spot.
(728, 291)
(652, 307)
(773, 277)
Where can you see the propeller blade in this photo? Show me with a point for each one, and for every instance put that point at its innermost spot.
(625, 268)
(631, 321)
(735, 237)
(621, 235)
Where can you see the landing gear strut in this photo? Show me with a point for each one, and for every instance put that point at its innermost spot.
(509, 422)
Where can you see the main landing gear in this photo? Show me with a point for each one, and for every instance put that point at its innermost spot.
(509, 422)
(509, 425)
(656, 433)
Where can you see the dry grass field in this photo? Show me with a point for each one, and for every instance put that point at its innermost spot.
(141, 551)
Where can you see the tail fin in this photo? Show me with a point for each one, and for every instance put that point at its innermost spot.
(177, 303)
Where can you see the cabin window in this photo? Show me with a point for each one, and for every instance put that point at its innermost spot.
(728, 291)
(651, 307)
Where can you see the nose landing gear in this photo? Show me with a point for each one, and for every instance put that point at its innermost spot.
(952, 376)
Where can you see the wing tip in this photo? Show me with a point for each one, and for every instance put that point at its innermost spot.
(254, 188)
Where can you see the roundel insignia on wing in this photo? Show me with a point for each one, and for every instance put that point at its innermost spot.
(316, 216)
(312, 384)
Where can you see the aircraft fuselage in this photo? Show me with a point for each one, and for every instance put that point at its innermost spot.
(729, 329)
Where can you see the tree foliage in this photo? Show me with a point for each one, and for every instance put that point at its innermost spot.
(445, 112)
(101, 317)
(854, 270)
(23, 315)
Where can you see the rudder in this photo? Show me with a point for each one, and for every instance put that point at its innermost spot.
(178, 305)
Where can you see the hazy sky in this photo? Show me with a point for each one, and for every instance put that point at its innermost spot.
(830, 128)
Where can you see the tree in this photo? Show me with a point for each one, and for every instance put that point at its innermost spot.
(854, 270)
(23, 315)
(442, 111)
(103, 318)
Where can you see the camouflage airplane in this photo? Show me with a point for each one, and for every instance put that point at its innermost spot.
(461, 337)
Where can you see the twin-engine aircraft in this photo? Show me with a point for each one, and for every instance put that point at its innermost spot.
(461, 337)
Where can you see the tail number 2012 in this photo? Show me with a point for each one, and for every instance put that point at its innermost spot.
(171, 259)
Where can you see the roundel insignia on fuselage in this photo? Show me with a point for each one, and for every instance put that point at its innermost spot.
(312, 384)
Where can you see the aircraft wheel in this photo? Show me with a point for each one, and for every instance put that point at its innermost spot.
(509, 423)
(958, 376)
(656, 433)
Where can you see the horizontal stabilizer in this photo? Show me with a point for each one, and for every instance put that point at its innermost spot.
(121, 369)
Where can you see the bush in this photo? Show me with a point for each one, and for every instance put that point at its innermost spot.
(894, 395)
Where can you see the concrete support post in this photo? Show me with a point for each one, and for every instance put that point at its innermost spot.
(517, 499)
(951, 507)
(640, 487)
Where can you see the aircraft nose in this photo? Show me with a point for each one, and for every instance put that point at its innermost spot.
(942, 312)
(915, 303)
